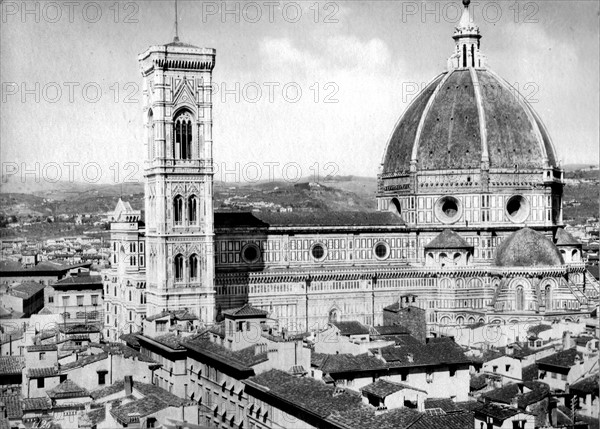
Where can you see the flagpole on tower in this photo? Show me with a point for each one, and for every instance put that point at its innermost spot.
(176, 39)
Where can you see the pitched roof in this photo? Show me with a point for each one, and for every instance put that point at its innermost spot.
(35, 404)
(13, 405)
(538, 329)
(496, 411)
(83, 361)
(246, 311)
(448, 239)
(445, 404)
(434, 352)
(26, 289)
(241, 360)
(351, 327)
(42, 348)
(345, 362)
(154, 399)
(391, 330)
(42, 372)
(12, 365)
(563, 359)
(587, 385)
(173, 315)
(384, 388)
(526, 393)
(455, 420)
(67, 389)
(79, 280)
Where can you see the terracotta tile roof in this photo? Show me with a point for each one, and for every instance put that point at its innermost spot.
(587, 385)
(173, 315)
(241, 360)
(83, 361)
(538, 329)
(27, 289)
(526, 393)
(445, 404)
(351, 327)
(266, 220)
(79, 280)
(13, 404)
(42, 348)
(496, 411)
(563, 359)
(154, 400)
(246, 311)
(35, 404)
(12, 365)
(67, 389)
(344, 363)
(448, 239)
(305, 393)
(384, 388)
(79, 328)
(455, 420)
(170, 340)
(117, 386)
(434, 352)
(477, 382)
(530, 372)
(131, 340)
(42, 372)
(96, 416)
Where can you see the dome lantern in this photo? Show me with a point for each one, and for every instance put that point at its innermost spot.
(467, 43)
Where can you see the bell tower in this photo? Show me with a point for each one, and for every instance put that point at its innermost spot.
(178, 173)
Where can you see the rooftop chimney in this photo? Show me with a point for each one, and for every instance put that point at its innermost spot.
(128, 385)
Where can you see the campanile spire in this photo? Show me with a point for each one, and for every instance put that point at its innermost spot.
(467, 40)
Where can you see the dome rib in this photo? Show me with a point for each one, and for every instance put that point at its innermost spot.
(413, 105)
(528, 111)
(415, 149)
(485, 157)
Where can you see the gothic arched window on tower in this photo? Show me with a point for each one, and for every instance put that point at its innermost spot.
(178, 268)
(151, 148)
(192, 209)
(520, 299)
(178, 210)
(183, 136)
(194, 265)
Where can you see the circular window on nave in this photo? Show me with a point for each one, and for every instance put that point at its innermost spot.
(517, 208)
(318, 252)
(250, 253)
(382, 250)
(448, 209)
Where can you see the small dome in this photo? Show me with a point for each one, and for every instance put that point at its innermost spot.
(464, 117)
(527, 248)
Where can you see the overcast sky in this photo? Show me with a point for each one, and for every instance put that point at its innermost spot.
(356, 63)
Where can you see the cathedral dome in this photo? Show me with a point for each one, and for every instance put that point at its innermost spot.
(527, 248)
(465, 117)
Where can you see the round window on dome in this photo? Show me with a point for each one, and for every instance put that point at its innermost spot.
(250, 253)
(318, 252)
(448, 209)
(382, 250)
(517, 208)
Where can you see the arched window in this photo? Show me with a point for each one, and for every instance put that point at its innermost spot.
(473, 55)
(520, 298)
(334, 316)
(395, 207)
(464, 55)
(548, 297)
(194, 267)
(575, 255)
(183, 136)
(151, 148)
(178, 268)
(192, 209)
(178, 210)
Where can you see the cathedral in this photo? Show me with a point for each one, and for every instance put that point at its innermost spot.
(469, 222)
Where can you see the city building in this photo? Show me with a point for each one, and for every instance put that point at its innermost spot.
(469, 222)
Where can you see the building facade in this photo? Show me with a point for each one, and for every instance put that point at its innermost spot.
(469, 222)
